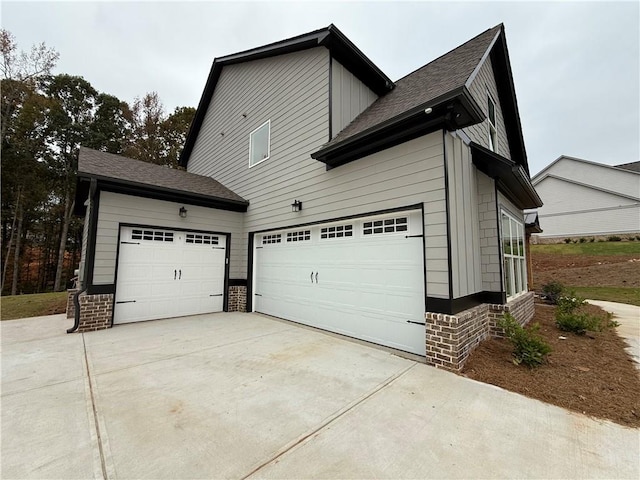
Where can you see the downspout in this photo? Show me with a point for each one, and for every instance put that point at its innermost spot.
(84, 285)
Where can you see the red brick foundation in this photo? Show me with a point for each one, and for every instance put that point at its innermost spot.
(71, 308)
(237, 299)
(451, 338)
(95, 312)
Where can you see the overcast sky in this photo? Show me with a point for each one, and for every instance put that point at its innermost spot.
(575, 64)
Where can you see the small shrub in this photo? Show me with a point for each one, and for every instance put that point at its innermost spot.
(583, 240)
(567, 240)
(591, 240)
(614, 238)
(575, 241)
(638, 238)
(528, 347)
(569, 319)
(553, 291)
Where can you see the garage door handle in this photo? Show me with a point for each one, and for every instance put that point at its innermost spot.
(175, 274)
(179, 274)
(311, 277)
(316, 277)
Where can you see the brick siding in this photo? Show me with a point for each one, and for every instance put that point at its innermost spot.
(451, 338)
(95, 312)
(237, 299)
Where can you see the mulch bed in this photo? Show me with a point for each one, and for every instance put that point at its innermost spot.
(586, 270)
(590, 374)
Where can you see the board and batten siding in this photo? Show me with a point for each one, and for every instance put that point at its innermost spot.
(489, 239)
(479, 133)
(117, 208)
(349, 97)
(464, 218)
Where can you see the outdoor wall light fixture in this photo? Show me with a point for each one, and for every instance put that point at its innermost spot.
(296, 206)
(183, 212)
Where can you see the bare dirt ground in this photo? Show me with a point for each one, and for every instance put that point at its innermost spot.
(586, 270)
(591, 374)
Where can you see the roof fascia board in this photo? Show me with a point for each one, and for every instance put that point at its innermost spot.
(581, 184)
(486, 54)
(386, 124)
(161, 193)
(512, 178)
(507, 93)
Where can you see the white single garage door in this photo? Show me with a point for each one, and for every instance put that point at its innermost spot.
(167, 273)
(363, 278)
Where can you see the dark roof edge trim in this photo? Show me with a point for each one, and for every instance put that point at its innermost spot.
(386, 124)
(486, 54)
(167, 194)
(512, 178)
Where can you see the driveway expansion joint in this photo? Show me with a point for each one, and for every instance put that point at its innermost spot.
(329, 420)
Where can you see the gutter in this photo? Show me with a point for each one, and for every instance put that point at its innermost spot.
(84, 285)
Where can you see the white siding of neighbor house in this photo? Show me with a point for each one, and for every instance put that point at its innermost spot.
(489, 239)
(349, 97)
(600, 176)
(464, 218)
(479, 133)
(571, 209)
(298, 107)
(117, 208)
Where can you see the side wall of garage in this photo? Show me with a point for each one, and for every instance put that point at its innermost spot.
(115, 208)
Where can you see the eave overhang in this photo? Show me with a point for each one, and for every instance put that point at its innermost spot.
(150, 191)
(512, 178)
(454, 110)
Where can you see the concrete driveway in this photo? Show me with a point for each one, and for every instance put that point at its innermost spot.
(246, 396)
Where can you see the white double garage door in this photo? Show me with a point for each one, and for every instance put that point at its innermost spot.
(362, 277)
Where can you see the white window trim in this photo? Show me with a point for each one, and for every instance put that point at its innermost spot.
(492, 130)
(521, 259)
(268, 122)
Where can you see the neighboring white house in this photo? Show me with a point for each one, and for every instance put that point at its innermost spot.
(587, 198)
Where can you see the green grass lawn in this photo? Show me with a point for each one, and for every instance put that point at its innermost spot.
(36, 305)
(630, 296)
(595, 248)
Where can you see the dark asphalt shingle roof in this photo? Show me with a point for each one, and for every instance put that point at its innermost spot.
(437, 78)
(93, 163)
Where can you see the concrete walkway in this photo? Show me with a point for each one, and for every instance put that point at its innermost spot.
(246, 396)
(628, 316)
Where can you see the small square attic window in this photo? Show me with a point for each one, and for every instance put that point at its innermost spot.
(259, 144)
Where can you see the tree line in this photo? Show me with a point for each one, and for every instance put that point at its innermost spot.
(44, 120)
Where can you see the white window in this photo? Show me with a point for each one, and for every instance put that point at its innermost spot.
(259, 144)
(153, 235)
(493, 126)
(268, 239)
(301, 236)
(338, 231)
(515, 266)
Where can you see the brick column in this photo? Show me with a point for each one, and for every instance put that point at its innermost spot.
(237, 298)
(95, 312)
(71, 308)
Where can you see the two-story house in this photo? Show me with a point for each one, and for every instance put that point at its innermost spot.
(319, 191)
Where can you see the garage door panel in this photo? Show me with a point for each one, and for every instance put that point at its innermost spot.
(366, 286)
(163, 273)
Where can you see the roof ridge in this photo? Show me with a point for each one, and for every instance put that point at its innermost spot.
(500, 25)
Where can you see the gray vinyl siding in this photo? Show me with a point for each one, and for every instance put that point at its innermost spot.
(85, 242)
(464, 218)
(489, 239)
(349, 97)
(117, 208)
(479, 133)
(293, 92)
